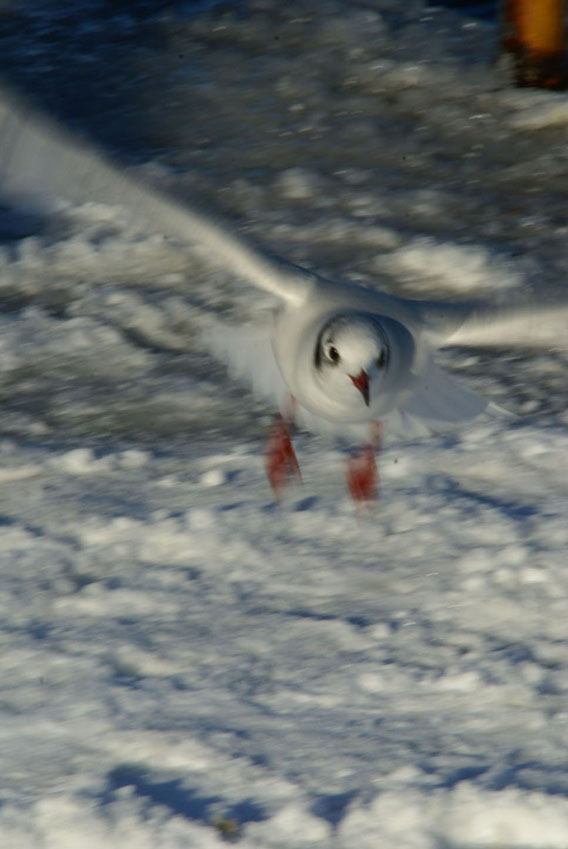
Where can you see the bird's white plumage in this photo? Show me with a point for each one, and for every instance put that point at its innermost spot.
(435, 401)
(39, 159)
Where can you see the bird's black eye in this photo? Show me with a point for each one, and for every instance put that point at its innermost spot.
(382, 359)
(333, 354)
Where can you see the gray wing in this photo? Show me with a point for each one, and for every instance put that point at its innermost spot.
(39, 160)
(439, 399)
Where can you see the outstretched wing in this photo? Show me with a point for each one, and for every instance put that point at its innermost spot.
(249, 356)
(535, 326)
(439, 399)
(39, 159)
(484, 325)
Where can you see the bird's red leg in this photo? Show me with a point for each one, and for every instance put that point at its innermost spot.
(362, 475)
(279, 458)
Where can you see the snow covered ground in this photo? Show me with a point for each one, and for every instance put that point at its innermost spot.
(183, 662)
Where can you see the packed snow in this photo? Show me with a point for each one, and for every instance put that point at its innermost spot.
(185, 663)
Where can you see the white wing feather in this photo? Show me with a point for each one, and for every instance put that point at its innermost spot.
(38, 159)
(439, 399)
(536, 326)
(248, 354)
(482, 325)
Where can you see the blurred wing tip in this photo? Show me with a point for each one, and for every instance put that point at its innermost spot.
(526, 326)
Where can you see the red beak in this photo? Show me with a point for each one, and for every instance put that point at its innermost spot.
(362, 384)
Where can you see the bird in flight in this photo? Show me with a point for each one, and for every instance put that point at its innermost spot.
(347, 358)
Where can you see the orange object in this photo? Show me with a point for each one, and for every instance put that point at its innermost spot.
(534, 34)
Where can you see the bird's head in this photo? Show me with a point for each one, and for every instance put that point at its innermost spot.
(352, 358)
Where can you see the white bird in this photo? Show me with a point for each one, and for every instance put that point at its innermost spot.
(347, 358)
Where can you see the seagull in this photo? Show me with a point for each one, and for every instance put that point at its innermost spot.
(343, 358)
